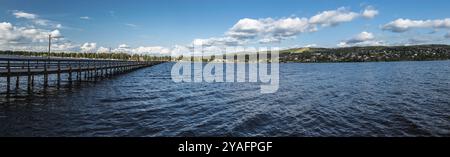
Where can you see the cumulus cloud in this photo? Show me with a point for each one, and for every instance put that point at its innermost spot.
(33, 39)
(10, 34)
(88, 47)
(361, 39)
(66, 46)
(178, 50)
(370, 12)
(141, 50)
(102, 49)
(270, 30)
(246, 28)
(151, 50)
(285, 28)
(334, 17)
(403, 25)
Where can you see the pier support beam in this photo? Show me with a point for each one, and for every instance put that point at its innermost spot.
(8, 77)
(17, 82)
(45, 75)
(70, 74)
(59, 74)
(79, 71)
(29, 77)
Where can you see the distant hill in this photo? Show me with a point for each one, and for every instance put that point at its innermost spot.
(367, 54)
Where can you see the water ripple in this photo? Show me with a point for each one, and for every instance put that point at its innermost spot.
(337, 99)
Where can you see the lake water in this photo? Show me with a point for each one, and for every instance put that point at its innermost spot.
(325, 99)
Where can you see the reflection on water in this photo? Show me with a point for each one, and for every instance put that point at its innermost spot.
(336, 99)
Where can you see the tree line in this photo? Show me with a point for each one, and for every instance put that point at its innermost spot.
(116, 56)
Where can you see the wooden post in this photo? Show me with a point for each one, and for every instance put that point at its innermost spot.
(107, 68)
(91, 72)
(59, 73)
(119, 66)
(86, 72)
(114, 69)
(101, 71)
(18, 79)
(79, 71)
(29, 77)
(8, 75)
(32, 78)
(45, 75)
(111, 68)
(70, 73)
(95, 70)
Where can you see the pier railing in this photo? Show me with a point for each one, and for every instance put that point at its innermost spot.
(81, 69)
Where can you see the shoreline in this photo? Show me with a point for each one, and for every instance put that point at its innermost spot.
(330, 62)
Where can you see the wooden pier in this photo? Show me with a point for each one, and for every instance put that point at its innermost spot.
(75, 69)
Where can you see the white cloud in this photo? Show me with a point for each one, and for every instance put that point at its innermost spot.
(35, 19)
(141, 50)
(88, 47)
(35, 39)
(284, 28)
(21, 14)
(85, 18)
(361, 39)
(103, 49)
(269, 39)
(10, 34)
(64, 47)
(123, 46)
(311, 45)
(223, 41)
(246, 28)
(269, 30)
(370, 12)
(131, 25)
(178, 50)
(276, 30)
(334, 17)
(151, 50)
(55, 34)
(403, 25)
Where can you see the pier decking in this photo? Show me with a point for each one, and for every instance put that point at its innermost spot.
(76, 69)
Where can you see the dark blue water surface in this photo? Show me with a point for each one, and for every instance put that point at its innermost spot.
(326, 99)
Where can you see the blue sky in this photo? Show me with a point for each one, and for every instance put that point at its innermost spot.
(161, 25)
